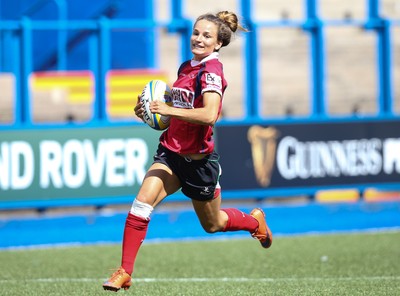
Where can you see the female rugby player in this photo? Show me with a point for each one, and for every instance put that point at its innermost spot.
(186, 158)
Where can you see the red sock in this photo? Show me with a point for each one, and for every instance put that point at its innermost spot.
(237, 220)
(134, 234)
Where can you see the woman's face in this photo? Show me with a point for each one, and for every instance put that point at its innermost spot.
(204, 39)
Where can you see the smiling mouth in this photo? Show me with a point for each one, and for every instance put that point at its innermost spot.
(197, 46)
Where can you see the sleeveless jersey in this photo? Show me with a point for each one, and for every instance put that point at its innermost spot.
(194, 79)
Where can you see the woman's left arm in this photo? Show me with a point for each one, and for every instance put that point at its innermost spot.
(206, 115)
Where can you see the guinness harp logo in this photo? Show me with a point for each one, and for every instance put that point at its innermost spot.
(263, 150)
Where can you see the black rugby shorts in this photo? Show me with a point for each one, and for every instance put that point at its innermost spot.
(199, 178)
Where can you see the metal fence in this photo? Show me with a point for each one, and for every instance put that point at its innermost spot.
(18, 38)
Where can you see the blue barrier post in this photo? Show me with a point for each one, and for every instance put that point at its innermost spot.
(104, 54)
(9, 58)
(314, 26)
(23, 106)
(62, 34)
(251, 62)
(2, 38)
(382, 28)
(152, 43)
(184, 28)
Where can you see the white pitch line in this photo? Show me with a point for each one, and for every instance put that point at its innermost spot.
(193, 280)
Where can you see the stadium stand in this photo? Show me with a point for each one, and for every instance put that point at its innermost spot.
(350, 57)
(62, 95)
(7, 97)
(123, 87)
(69, 95)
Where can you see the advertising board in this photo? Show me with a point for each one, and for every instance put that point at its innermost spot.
(63, 163)
(309, 154)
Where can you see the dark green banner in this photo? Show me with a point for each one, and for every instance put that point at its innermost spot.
(72, 163)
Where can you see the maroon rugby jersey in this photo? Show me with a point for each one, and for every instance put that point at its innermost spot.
(194, 79)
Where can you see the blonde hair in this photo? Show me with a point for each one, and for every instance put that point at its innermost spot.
(227, 23)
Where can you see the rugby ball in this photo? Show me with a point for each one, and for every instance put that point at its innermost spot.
(156, 90)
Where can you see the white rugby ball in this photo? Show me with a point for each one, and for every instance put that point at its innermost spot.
(156, 90)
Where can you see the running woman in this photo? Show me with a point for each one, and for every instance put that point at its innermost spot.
(186, 158)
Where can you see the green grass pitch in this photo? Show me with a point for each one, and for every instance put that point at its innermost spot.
(337, 264)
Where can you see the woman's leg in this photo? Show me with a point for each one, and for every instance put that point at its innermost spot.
(214, 219)
(158, 183)
(211, 218)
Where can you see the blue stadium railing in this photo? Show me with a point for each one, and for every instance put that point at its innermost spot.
(314, 25)
(19, 37)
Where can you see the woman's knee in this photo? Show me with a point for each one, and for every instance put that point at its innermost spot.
(212, 227)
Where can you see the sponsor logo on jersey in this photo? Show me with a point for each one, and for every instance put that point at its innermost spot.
(213, 79)
(182, 98)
